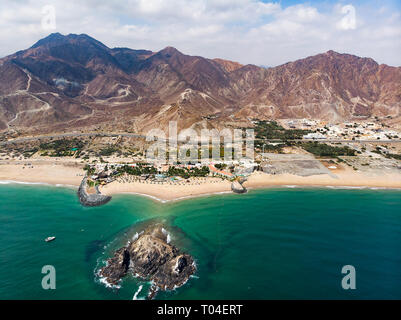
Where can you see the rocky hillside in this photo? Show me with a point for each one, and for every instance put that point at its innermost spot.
(76, 82)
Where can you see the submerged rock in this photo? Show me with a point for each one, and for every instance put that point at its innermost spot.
(117, 267)
(150, 257)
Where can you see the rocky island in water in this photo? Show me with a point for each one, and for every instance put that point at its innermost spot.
(150, 256)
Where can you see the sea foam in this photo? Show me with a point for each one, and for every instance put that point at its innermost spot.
(138, 292)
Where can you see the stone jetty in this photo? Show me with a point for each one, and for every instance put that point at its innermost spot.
(91, 200)
(237, 187)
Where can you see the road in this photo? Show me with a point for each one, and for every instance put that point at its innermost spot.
(71, 135)
(336, 141)
(133, 135)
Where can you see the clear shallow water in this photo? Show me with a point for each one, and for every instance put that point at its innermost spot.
(267, 244)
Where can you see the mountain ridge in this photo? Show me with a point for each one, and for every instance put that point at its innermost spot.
(75, 81)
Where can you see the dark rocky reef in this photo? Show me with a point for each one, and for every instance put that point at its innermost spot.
(91, 200)
(150, 257)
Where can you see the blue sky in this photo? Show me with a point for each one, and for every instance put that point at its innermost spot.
(320, 3)
(249, 31)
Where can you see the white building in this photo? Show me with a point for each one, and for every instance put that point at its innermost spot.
(314, 136)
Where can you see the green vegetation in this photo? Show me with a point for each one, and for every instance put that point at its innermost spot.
(29, 153)
(278, 148)
(173, 171)
(221, 166)
(108, 151)
(187, 173)
(324, 150)
(377, 150)
(137, 170)
(90, 170)
(91, 183)
(394, 156)
(62, 147)
(271, 130)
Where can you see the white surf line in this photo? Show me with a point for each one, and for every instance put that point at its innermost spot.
(175, 199)
(138, 292)
(260, 188)
(317, 186)
(58, 185)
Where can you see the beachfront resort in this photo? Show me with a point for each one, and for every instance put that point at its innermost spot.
(286, 152)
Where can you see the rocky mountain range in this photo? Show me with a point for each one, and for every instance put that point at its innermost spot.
(74, 82)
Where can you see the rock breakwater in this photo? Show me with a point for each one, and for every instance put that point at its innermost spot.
(91, 200)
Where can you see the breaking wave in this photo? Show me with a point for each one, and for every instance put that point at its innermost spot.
(137, 293)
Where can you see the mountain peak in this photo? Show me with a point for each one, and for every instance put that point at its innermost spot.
(169, 51)
(81, 74)
(228, 65)
(350, 58)
(332, 53)
(55, 39)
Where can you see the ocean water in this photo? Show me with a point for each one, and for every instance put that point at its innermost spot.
(284, 243)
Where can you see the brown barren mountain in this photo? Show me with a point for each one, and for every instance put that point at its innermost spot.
(228, 65)
(65, 83)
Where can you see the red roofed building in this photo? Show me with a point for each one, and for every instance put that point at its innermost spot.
(213, 169)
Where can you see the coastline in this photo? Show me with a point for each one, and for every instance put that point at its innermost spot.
(71, 176)
(50, 173)
(57, 185)
(344, 179)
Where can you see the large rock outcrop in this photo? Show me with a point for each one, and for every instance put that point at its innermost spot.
(150, 257)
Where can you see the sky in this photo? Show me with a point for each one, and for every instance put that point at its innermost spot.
(267, 33)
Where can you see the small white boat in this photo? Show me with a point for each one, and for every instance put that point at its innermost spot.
(48, 239)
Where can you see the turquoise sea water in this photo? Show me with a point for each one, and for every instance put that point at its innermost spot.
(267, 244)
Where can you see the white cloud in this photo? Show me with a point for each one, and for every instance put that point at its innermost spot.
(348, 21)
(300, 13)
(249, 31)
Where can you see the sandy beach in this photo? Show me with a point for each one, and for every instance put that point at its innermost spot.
(71, 174)
(63, 173)
(167, 192)
(347, 178)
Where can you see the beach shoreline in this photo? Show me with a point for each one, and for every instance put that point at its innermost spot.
(42, 172)
(69, 175)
